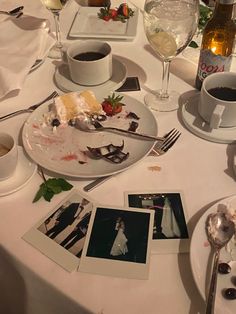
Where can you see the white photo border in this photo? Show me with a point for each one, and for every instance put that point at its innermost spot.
(166, 246)
(117, 268)
(48, 246)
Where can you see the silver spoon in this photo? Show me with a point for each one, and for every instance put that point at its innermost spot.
(219, 232)
(85, 124)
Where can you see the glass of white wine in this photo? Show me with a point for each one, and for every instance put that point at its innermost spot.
(169, 26)
(55, 6)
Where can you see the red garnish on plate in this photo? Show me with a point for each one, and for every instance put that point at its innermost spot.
(69, 157)
(122, 13)
(112, 104)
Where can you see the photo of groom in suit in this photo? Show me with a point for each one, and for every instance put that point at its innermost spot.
(65, 218)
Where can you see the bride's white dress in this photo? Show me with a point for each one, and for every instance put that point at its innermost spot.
(119, 246)
(169, 224)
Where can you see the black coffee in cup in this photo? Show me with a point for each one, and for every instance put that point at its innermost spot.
(223, 93)
(3, 150)
(89, 56)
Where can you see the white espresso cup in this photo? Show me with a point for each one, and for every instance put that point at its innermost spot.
(90, 62)
(217, 103)
(8, 156)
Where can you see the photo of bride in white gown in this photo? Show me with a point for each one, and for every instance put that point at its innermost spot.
(119, 246)
(169, 224)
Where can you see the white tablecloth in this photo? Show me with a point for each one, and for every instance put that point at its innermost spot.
(33, 284)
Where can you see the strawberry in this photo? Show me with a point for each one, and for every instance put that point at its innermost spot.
(112, 105)
(106, 18)
(113, 13)
(121, 14)
(123, 10)
(104, 13)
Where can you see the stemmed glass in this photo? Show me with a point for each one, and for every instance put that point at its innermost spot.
(169, 26)
(55, 6)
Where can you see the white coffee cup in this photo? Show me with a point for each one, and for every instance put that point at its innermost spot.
(92, 72)
(214, 110)
(8, 156)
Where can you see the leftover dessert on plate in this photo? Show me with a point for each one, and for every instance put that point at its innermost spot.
(224, 267)
(54, 132)
(113, 153)
(68, 107)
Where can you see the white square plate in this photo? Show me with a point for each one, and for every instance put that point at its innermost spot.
(87, 24)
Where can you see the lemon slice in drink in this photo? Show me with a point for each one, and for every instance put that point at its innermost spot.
(53, 4)
(164, 43)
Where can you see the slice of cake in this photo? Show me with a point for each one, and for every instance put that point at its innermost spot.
(68, 107)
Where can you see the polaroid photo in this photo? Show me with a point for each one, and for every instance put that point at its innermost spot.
(61, 234)
(170, 233)
(118, 242)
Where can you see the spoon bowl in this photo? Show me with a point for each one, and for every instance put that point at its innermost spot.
(219, 229)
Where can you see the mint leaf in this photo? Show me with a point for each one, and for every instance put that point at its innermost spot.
(66, 186)
(48, 195)
(40, 193)
(50, 187)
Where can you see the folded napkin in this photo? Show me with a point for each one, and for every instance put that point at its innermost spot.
(22, 41)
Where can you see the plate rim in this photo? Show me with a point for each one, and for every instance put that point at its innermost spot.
(90, 176)
(130, 32)
(212, 208)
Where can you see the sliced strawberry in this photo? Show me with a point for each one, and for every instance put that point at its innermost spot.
(107, 107)
(106, 18)
(113, 13)
(123, 10)
(121, 14)
(112, 105)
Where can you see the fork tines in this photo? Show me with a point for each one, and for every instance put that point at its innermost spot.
(170, 138)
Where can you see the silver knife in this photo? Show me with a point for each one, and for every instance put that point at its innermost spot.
(95, 183)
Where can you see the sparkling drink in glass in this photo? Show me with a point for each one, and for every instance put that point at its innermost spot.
(169, 26)
(55, 6)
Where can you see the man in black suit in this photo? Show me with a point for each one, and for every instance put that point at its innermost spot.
(65, 219)
(78, 233)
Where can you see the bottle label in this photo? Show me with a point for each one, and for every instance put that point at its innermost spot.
(210, 63)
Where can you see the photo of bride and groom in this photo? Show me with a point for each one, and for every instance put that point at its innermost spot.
(169, 218)
(119, 235)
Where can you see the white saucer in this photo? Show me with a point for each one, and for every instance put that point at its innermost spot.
(198, 126)
(64, 82)
(25, 170)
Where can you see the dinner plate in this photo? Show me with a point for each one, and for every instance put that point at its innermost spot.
(52, 150)
(64, 82)
(201, 260)
(87, 24)
(25, 170)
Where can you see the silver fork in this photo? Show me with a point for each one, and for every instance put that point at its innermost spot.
(169, 140)
(31, 108)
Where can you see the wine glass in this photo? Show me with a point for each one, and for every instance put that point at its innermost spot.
(55, 6)
(169, 26)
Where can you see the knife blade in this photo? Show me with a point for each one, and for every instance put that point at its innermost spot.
(95, 183)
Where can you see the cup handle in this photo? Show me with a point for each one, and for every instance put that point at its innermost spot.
(216, 116)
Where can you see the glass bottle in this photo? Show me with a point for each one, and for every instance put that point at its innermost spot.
(217, 41)
(98, 3)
